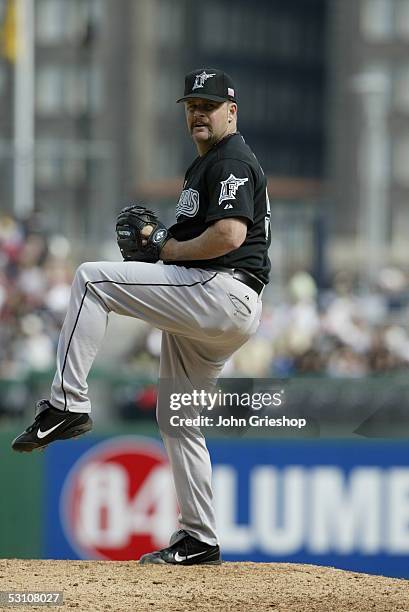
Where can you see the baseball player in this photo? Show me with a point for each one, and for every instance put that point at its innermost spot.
(204, 294)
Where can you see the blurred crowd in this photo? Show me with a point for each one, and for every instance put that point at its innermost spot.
(35, 280)
(338, 332)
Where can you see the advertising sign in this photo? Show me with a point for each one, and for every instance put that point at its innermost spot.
(335, 503)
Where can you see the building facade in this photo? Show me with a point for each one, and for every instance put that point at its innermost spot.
(106, 82)
(368, 131)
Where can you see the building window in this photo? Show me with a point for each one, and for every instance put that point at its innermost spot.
(49, 21)
(48, 164)
(169, 23)
(68, 89)
(400, 223)
(75, 90)
(401, 89)
(385, 19)
(2, 80)
(311, 39)
(288, 37)
(167, 88)
(402, 19)
(95, 84)
(59, 164)
(60, 21)
(49, 83)
(261, 38)
(244, 35)
(235, 35)
(401, 160)
(167, 160)
(257, 104)
(74, 170)
(377, 19)
(212, 33)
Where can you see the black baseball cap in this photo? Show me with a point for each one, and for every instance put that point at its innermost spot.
(210, 84)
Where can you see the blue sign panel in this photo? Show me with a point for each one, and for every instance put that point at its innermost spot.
(337, 503)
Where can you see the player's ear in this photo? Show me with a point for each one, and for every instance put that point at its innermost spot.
(231, 111)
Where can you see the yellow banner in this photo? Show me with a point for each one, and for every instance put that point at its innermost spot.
(8, 34)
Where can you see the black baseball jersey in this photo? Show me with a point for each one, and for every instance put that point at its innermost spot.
(227, 182)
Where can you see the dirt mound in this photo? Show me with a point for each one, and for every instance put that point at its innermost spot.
(242, 587)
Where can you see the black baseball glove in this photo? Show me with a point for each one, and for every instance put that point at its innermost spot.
(133, 244)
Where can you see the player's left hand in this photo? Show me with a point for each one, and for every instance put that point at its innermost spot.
(140, 234)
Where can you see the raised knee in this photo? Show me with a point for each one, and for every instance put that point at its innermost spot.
(86, 271)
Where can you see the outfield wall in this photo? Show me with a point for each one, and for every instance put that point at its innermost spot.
(331, 502)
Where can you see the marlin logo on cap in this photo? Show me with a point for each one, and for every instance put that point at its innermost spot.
(201, 79)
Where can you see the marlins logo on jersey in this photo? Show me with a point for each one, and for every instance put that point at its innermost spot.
(188, 204)
(229, 189)
(200, 79)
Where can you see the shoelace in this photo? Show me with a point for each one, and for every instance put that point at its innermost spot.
(38, 413)
(33, 426)
(186, 552)
(185, 543)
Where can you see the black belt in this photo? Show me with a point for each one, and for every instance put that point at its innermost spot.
(249, 279)
(241, 275)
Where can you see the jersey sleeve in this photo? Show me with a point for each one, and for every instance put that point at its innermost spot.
(230, 185)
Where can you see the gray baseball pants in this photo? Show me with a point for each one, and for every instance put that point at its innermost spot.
(203, 322)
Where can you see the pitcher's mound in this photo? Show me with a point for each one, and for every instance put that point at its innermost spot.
(242, 587)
